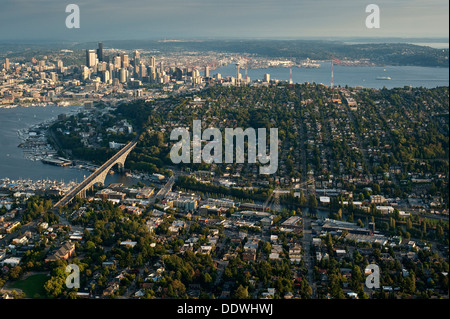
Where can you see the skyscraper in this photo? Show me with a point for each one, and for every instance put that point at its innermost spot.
(125, 60)
(106, 76)
(123, 75)
(137, 58)
(117, 62)
(152, 62)
(91, 57)
(100, 52)
(7, 64)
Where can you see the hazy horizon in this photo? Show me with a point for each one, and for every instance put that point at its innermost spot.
(234, 19)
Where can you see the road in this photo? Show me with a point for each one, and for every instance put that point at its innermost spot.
(77, 189)
(22, 229)
(309, 260)
(167, 188)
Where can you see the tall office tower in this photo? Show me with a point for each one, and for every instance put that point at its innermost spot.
(137, 58)
(123, 75)
(86, 73)
(102, 66)
(195, 73)
(237, 73)
(7, 64)
(100, 51)
(117, 62)
(152, 62)
(106, 76)
(91, 58)
(60, 66)
(207, 71)
(134, 71)
(143, 70)
(125, 60)
(267, 77)
(53, 76)
(152, 73)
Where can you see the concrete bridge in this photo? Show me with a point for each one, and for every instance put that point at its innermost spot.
(98, 176)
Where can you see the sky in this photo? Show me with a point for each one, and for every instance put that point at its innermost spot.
(102, 20)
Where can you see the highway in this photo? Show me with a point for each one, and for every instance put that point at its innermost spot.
(77, 189)
(167, 188)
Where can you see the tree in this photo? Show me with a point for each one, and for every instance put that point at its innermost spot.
(409, 284)
(267, 247)
(312, 201)
(439, 232)
(207, 279)
(409, 224)
(339, 214)
(15, 272)
(241, 292)
(356, 279)
(376, 188)
(54, 287)
(392, 223)
(360, 223)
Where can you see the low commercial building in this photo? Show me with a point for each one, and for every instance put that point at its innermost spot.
(295, 253)
(65, 252)
(331, 225)
(293, 223)
(12, 261)
(110, 194)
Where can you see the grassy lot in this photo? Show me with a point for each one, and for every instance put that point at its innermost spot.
(32, 286)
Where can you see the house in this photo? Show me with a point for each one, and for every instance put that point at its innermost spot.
(205, 249)
(12, 261)
(22, 240)
(295, 253)
(134, 210)
(111, 289)
(249, 255)
(317, 242)
(128, 243)
(377, 199)
(352, 295)
(340, 253)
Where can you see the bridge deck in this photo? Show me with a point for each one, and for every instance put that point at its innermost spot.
(81, 186)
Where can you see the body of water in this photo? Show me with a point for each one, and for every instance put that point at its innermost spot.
(350, 75)
(14, 165)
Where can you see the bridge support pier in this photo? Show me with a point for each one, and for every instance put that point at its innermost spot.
(98, 176)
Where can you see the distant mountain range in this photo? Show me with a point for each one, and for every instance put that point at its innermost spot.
(384, 52)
